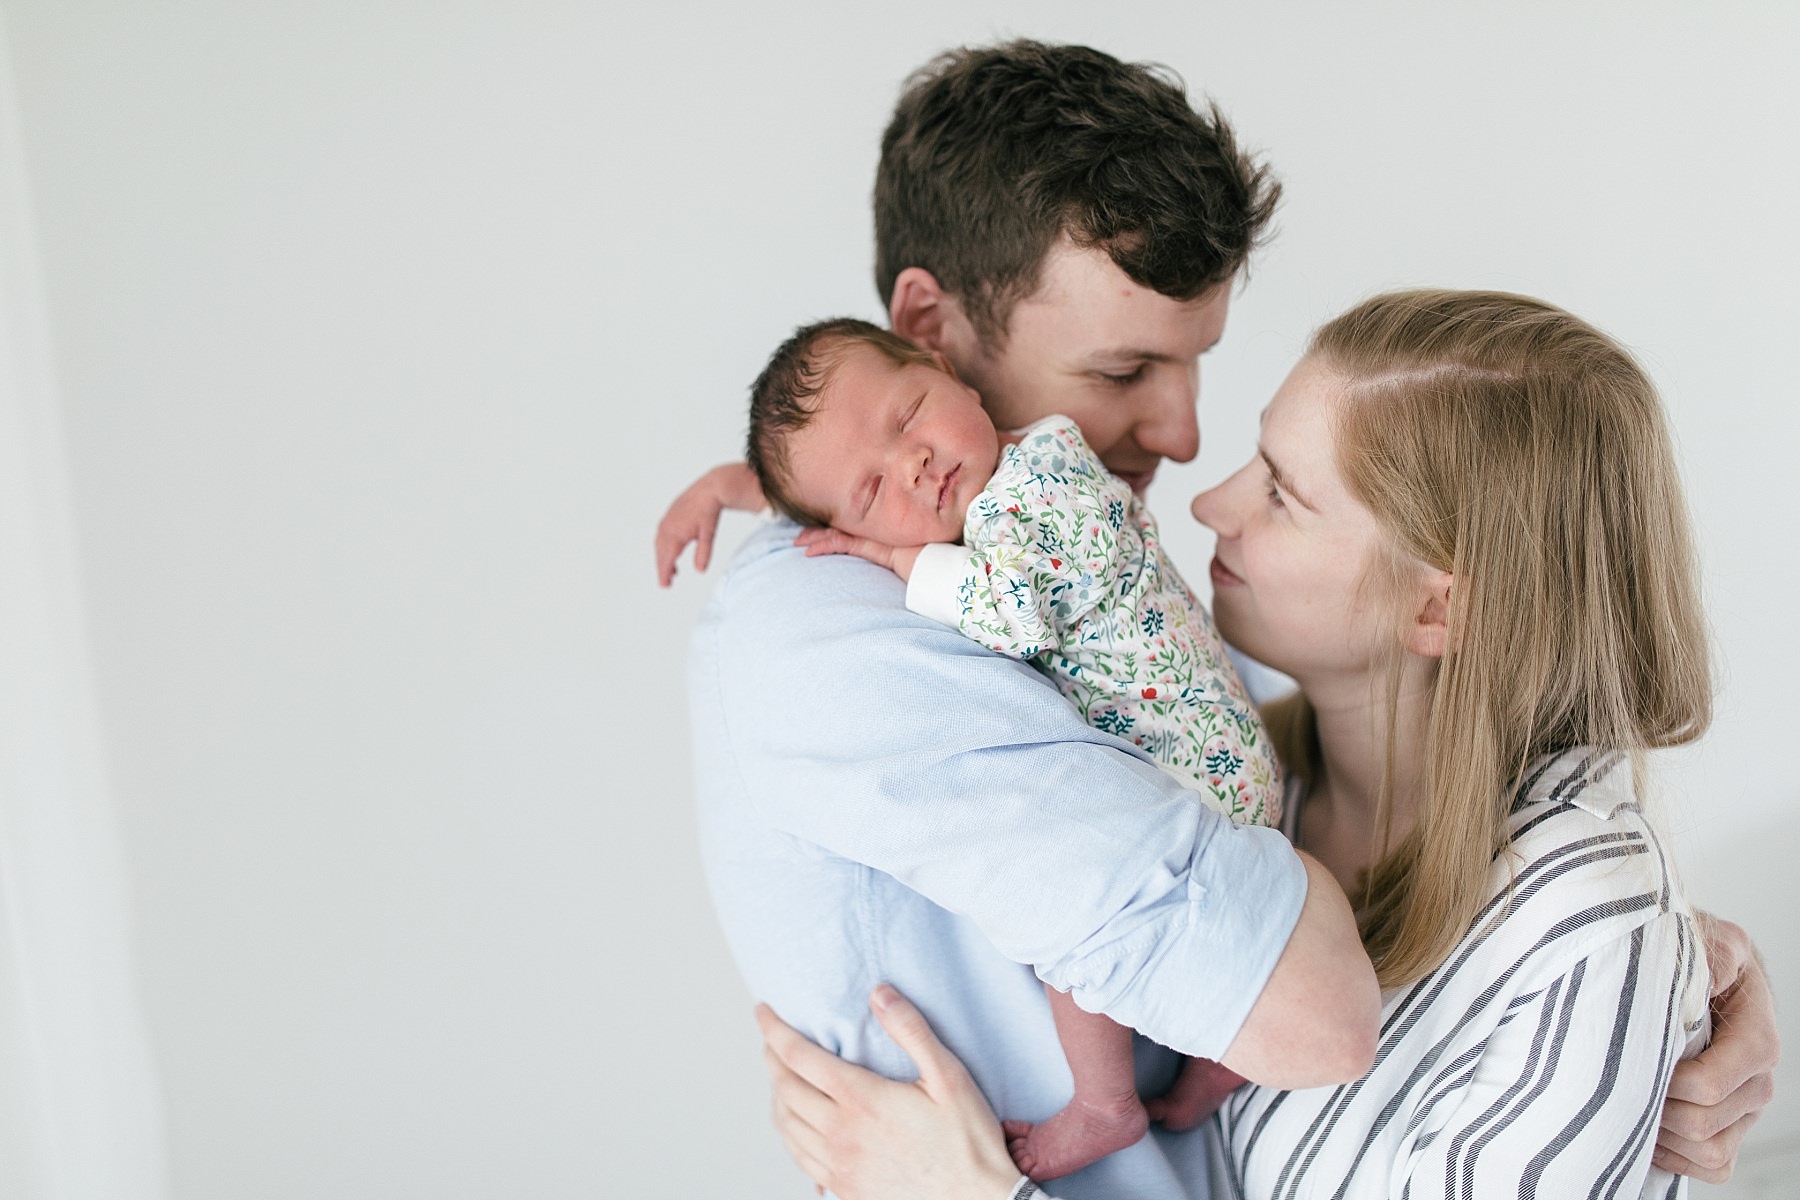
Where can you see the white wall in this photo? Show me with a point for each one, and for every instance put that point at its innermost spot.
(385, 330)
(80, 1116)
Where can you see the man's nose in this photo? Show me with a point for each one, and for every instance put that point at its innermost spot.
(1171, 427)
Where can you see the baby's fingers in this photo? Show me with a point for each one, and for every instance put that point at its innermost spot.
(826, 541)
(703, 547)
(670, 542)
(692, 520)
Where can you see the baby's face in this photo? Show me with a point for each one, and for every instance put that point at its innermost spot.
(892, 453)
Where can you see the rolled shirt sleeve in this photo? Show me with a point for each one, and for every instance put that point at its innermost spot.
(893, 741)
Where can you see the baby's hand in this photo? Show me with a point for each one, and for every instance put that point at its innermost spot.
(694, 517)
(898, 559)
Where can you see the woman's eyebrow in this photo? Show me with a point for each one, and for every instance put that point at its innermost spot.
(1281, 479)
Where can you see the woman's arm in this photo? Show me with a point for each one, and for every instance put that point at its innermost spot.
(869, 1138)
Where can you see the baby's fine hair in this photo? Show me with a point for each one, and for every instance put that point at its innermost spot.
(782, 400)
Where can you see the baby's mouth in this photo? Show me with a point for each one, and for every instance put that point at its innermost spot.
(949, 483)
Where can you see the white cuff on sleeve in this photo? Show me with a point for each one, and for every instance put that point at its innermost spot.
(931, 591)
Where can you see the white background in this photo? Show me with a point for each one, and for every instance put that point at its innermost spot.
(382, 333)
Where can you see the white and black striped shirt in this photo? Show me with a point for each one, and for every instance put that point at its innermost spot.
(1533, 1062)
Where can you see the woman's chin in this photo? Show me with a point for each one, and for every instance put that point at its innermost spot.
(1247, 643)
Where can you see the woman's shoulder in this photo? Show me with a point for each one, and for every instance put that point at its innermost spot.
(1582, 866)
(1571, 804)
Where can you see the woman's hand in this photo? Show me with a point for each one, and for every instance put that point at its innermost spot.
(869, 1138)
(1715, 1097)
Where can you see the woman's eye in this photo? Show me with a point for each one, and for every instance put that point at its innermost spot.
(1122, 380)
(1274, 494)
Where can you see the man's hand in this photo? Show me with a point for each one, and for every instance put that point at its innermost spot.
(1716, 1097)
(694, 517)
(898, 559)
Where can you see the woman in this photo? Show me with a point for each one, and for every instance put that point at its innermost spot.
(1464, 537)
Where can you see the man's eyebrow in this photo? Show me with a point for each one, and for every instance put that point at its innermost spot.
(1121, 354)
(1281, 479)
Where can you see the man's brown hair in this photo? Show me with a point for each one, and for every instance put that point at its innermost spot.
(784, 397)
(995, 152)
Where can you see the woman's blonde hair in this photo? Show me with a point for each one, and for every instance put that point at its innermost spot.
(1519, 448)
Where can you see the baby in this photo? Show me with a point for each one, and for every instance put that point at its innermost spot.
(1028, 545)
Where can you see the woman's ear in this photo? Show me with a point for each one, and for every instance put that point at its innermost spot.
(1429, 634)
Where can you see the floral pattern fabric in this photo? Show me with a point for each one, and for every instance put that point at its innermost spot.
(1065, 569)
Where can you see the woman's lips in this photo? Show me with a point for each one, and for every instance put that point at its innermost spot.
(1223, 576)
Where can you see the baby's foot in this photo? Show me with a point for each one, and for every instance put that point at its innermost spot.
(1080, 1134)
(1199, 1090)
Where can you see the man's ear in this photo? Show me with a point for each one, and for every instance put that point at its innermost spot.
(921, 311)
(1429, 634)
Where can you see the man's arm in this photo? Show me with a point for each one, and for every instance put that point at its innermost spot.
(1283, 1043)
(891, 741)
(1716, 1097)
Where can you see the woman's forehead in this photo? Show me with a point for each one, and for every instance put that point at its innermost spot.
(1299, 416)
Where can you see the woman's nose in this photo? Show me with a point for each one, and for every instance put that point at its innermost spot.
(1204, 508)
(1217, 507)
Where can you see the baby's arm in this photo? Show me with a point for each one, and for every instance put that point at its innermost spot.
(1005, 615)
(1042, 547)
(898, 559)
(694, 517)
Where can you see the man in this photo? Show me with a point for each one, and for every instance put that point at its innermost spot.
(881, 799)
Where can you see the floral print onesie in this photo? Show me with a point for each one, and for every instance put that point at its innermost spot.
(1062, 566)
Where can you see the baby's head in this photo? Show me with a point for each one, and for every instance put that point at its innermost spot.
(854, 427)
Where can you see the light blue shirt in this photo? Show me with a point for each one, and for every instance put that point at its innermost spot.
(882, 799)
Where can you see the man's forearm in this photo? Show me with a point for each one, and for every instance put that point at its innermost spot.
(1318, 1017)
(893, 742)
